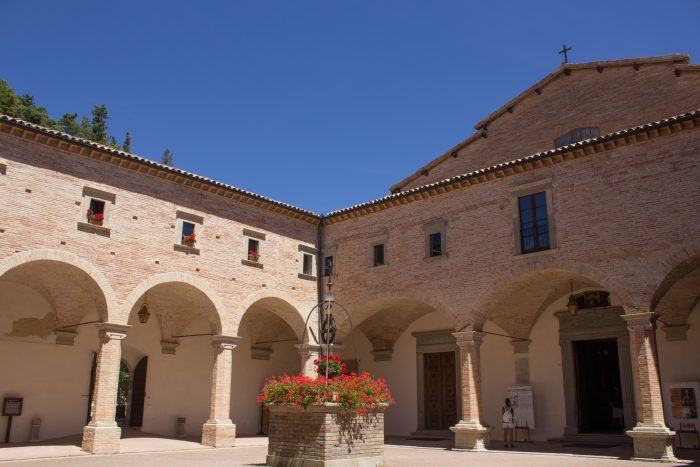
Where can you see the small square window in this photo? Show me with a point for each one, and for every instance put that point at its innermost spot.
(253, 250)
(328, 266)
(189, 238)
(378, 254)
(435, 244)
(96, 212)
(307, 266)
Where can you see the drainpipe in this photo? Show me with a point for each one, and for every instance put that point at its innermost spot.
(319, 272)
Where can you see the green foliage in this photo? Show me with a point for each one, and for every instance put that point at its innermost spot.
(127, 142)
(100, 115)
(25, 108)
(167, 157)
(68, 124)
(123, 385)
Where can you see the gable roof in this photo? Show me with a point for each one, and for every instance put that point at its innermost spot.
(667, 126)
(681, 62)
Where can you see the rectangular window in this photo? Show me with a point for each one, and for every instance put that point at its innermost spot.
(188, 235)
(435, 244)
(307, 266)
(253, 248)
(534, 222)
(96, 212)
(378, 252)
(328, 266)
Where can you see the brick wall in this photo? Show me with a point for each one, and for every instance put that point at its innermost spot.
(323, 433)
(42, 189)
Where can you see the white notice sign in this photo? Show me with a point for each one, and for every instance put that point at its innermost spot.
(521, 400)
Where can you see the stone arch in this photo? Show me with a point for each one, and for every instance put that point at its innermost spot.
(478, 312)
(177, 277)
(287, 309)
(376, 315)
(671, 270)
(26, 257)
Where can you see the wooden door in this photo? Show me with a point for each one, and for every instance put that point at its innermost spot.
(138, 393)
(440, 390)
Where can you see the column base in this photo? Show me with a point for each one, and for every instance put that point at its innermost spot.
(101, 439)
(470, 436)
(653, 443)
(219, 433)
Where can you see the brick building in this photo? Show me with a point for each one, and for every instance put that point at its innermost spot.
(584, 188)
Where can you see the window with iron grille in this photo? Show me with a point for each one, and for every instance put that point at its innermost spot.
(534, 223)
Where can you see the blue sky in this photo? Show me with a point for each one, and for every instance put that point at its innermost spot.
(322, 104)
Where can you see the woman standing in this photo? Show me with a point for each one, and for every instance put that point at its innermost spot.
(508, 416)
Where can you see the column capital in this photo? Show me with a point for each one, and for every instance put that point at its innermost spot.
(520, 346)
(640, 321)
(113, 331)
(225, 342)
(468, 337)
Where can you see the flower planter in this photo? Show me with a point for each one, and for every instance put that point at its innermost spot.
(96, 221)
(253, 258)
(188, 242)
(325, 435)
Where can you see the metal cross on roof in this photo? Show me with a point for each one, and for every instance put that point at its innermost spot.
(564, 50)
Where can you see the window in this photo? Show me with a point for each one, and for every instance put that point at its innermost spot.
(95, 211)
(307, 262)
(328, 266)
(307, 266)
(435, 244)
(378, 254)
(534, 222)
(253, 249)
(188, 230)
(188, 236)
(578, 134)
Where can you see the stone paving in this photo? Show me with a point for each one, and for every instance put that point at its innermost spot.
(148, 450)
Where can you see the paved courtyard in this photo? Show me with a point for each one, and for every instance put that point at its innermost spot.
(146, 450)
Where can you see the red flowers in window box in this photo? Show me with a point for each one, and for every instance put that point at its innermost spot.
(189, 240)
(95, 218)
(354, 393)
(253, 255)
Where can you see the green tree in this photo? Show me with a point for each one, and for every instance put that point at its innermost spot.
(9, 101)
(100, 115)
(68, 124)
(33, 113)
(127, 142)
(113, 142)
(85, 130)
(167, 157)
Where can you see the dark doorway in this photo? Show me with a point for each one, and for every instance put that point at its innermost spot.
(91, 391)
(598, 386)
(440, 390)
(138, 393)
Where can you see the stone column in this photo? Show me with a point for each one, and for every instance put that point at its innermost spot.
(470, 434)
(101, 435)
(307, 354)
(219, 431)
(653, 440)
